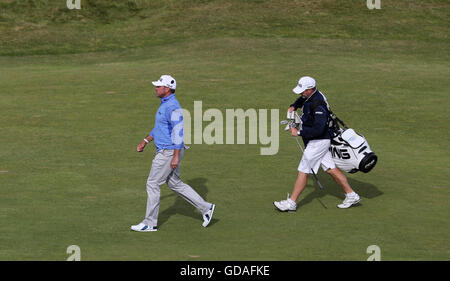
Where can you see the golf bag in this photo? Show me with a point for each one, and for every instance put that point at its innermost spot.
(350, 151)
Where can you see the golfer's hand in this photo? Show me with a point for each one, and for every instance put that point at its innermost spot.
(141, 146)
(294, 131)
(290, 109)
(174, 162)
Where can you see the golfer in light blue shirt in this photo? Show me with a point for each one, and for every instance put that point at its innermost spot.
(167, 135)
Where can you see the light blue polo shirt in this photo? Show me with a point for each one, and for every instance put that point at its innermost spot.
(168, 130)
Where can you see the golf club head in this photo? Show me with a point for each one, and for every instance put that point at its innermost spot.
(288, 124)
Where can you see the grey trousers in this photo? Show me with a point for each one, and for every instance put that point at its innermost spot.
(161, 173)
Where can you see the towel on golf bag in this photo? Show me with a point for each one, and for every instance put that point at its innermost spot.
(351, 152)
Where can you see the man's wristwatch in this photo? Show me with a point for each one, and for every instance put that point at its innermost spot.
(146, 140)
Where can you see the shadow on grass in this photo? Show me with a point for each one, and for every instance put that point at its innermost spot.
(365, 190)
(182, 207)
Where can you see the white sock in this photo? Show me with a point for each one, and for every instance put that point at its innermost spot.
(351, 194)
(292, 202)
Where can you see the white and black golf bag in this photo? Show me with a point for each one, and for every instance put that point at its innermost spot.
(350, 151)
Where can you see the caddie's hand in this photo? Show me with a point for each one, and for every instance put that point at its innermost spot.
(291, 109)
(174, 162)
(294, 131)
(141, 146)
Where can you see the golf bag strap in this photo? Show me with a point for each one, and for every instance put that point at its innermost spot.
(339, 120)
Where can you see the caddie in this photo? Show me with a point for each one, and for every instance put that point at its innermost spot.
(167, 136)
(316, 136)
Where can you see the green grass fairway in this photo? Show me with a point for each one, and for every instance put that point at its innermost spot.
(73, 112)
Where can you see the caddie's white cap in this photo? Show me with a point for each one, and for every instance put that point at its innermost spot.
(166, 81)
(304, 83)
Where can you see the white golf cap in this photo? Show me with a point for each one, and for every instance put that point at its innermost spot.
(166, 81)
(304, 83)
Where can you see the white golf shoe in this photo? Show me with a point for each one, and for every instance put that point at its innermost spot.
(286, 205)
(349, 201)
(208, 215)
(143, 228)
